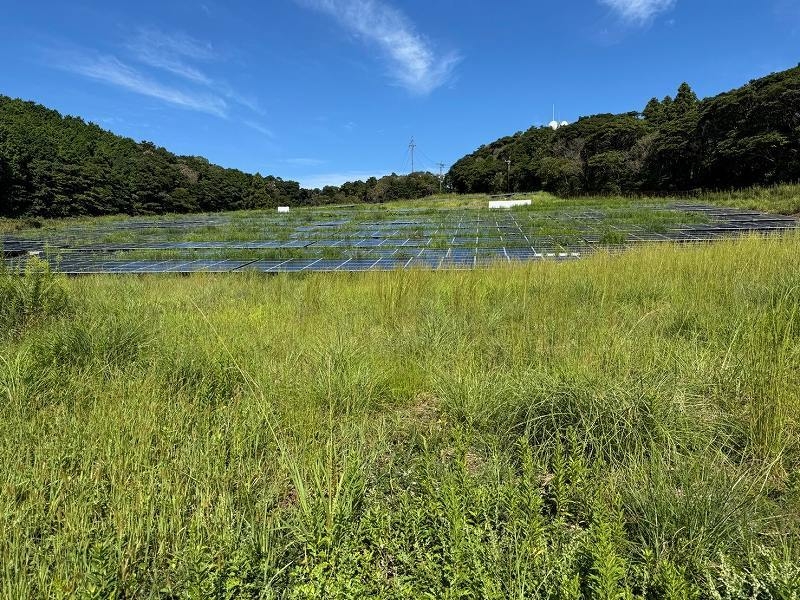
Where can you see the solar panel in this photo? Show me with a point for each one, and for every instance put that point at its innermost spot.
(336, 240)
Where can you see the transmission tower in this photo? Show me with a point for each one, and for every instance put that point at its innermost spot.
(411, 147)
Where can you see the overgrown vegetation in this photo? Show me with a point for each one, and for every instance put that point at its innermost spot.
(622, 426)
(549, 216)
(783, 199)
(741, 138)
(34, 298)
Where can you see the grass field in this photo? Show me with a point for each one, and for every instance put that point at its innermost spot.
(621, 426)
(434, 233)
(249, 225)
(548, 216)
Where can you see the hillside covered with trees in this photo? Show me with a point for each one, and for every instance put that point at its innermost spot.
(749, 136)
(54, 166)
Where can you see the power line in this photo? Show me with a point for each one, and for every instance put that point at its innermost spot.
(428, 158)
(413, 149)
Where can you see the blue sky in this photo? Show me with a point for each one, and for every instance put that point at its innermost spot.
(323, 91)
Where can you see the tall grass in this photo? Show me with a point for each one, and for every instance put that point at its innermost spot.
(780, 198)
(624, 425)
(24, 301)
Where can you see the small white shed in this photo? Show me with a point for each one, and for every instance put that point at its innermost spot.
(283, 209)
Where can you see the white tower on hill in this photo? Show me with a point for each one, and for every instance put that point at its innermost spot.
(555, 124)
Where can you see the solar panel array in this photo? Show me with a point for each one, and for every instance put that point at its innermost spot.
(351, 241)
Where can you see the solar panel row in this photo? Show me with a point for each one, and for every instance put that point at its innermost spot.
(448, 239)
(428, 261)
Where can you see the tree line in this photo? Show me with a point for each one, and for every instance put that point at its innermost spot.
(55, 166)
(749, 136)
(384, 189)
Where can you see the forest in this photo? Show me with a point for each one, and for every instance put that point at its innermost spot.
(749, 136)
(54, 166)
(57, 166)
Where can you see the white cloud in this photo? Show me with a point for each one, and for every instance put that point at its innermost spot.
(414, 63)
(163, 66)
(639, 12)
(259, 128)
(244, 100)
(173, 53)
(109, 69)
(169, 51)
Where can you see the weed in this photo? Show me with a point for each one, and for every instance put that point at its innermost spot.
(31, 297)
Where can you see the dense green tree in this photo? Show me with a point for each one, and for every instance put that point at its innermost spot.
(752, 134)
(744, 137)
(388, 188)
(609, 171)
(6, 181)
(654, 112)
(685, 101)
(397, 187)
(58, 166)
(562, 176)
(673, 160)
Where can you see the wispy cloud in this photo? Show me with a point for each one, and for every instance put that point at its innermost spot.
(111, 70)
(166, 66)
(169, 53)
(259, 128)
(639, 12)
(247, 101)
(414, 63)
(174, 53)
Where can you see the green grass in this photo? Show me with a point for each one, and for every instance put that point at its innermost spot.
(549, 220)
(225, 254)
(610, 237)
(249, 225)
(651, 219)
(545, 215)
(783, 199)
(623, 425)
